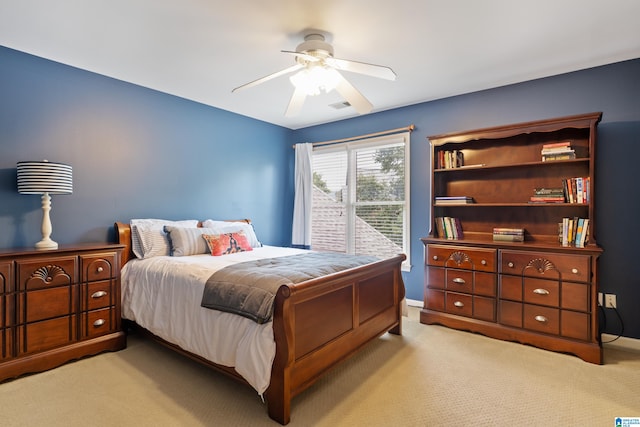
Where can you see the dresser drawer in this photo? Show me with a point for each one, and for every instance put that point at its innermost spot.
(434, 277)
(37, 274)
(541, 319)
(461, 257)
(460, 304)
(575, 268)
(484, 308)
(434, 300)
(46, 303)
(98, 322)
(98, 295)
(98, 267)
(542, 292)
(459, 280)
(47, 334)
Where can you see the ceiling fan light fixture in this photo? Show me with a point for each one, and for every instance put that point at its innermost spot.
(315, 78)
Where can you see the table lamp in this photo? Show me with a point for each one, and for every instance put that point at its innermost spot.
(44, 177)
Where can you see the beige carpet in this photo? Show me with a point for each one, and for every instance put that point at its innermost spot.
(431, 376)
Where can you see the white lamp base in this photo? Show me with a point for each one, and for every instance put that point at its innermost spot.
(46, 242)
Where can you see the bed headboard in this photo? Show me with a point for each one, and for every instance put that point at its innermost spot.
(123, 235)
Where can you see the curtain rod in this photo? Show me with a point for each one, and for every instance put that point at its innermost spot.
(369, 135)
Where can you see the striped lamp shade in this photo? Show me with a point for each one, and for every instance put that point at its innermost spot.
(44, 177)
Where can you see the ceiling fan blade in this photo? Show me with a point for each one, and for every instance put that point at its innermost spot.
(373, 70)
(352, 95)
(269, 77)
(295, 104)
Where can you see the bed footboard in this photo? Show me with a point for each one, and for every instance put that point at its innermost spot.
(321, 322)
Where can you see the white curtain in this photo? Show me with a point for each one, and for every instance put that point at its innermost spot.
(301, 233)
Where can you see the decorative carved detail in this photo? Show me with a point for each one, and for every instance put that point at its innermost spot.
(48, 273)
(459, 257)
(541, 265)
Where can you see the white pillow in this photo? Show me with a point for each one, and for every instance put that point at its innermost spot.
(221, 227)
(188, 241)
(150, 233)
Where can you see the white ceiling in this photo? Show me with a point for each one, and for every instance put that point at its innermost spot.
(202, 49)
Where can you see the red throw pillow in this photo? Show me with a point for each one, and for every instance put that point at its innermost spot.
(228, 243)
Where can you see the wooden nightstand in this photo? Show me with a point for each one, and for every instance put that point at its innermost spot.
(57, 306)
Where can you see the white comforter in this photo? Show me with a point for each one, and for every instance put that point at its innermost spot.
(163, 295)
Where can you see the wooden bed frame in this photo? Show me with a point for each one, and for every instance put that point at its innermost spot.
(318, 323)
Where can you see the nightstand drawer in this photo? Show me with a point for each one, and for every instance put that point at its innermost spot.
(38, 274)
(98, 267)
(98, 322)
(98, 295)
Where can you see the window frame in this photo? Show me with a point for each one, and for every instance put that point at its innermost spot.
(351, 148)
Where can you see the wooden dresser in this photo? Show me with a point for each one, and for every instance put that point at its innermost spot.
(537, 290)
(58, 305)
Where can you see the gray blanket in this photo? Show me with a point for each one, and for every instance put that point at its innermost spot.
(249, 288)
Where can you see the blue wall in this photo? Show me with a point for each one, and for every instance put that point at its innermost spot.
(140, 153)
(613, 89)
(135, 153)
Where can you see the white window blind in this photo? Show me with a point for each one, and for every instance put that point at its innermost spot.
(360, 203)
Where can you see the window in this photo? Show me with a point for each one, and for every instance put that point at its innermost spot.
(360, 197)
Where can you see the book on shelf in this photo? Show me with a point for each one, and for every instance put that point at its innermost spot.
(558, 151)
(577, 189)
(556, 145)
(450, 159)
(574, 231)
(453, 200)
(506, 234)
(548, 195)
(508, 238)
(449, 228)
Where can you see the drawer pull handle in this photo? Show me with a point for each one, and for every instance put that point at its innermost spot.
(98, 322)
(98, 294)
(510, 265)
(541, 319)
(458, 304)
(435, 257)
(541, 291)
(483, 262)
(100, 269)
(574, 270)
(459, 281)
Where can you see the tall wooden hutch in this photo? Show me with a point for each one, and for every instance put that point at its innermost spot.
(538, 291)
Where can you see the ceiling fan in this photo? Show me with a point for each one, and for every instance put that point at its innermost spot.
(318, 71)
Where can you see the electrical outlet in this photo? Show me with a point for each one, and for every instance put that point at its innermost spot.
(610, 300)
(600, 297)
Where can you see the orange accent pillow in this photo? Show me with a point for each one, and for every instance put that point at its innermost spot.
(228, 243)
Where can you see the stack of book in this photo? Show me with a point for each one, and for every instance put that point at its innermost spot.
(574, 232)
(453, 200)
(508, 234)
(558, 151)
(449, 228)
(577, 189)
(548, 195)
(450, 159)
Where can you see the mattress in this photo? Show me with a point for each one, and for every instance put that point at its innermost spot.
(163, 295)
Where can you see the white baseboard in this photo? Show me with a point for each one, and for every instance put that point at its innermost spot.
(622, 343)
(414, 303)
